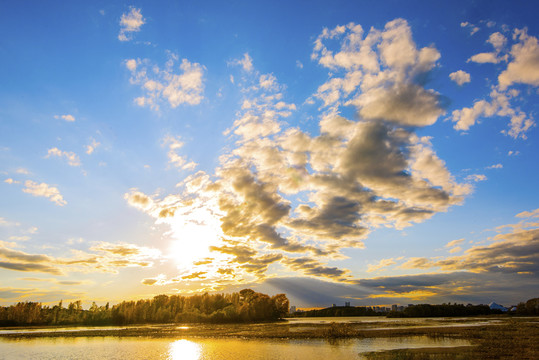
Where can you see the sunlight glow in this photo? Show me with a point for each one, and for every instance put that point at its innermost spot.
(184, 350)
(193, 234)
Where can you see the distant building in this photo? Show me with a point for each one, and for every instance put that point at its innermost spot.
(333, 305)
(347, 303)
(394, 307)
(292, 309)
(494, 306)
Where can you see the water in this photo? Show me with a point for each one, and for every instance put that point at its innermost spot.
(108, 347)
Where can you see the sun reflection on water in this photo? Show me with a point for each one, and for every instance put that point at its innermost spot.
(184, 350)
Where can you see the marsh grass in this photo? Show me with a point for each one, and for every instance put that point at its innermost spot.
(514, 339)
(339, 330)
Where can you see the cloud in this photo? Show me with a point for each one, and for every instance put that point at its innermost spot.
(524, 65)
(90, 148)
(473, 29)
(174, 145)
(483, 58)
(515, 252)
(476, 177)
(184, 87)
(497, 40)
(385, 66)
(11, 181)
(56, 281)
(149, 281)
(71, 157)
(526, 214)
(22, 171)
(67, 117)
(103, 257)
(460, 286)
(44, 190)
(454, 243)
(130, 22)
(381, 264)
(312, 267)
(499, 105)
(495, 166)
(460, 77)
(246, 62)
(21, 261)
(9, 295)
(281, 197)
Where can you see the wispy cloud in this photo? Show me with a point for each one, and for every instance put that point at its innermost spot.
(185, 86)
(130, 23)
(71, 157)
(44, 190)
(90, 148)
(174, 144)
(102, 257)
(66, 117)
(246, 62)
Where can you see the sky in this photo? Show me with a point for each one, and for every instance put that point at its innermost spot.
(369, 152)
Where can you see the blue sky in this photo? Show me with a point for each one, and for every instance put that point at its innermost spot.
(367, 152)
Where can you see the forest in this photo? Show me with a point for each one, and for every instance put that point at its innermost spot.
(245, 306)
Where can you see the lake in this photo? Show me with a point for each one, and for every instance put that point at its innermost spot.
(206, 342)
(109, 347)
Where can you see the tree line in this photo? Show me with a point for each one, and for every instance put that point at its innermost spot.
(530, 307)
(338, 311)
(245, 306)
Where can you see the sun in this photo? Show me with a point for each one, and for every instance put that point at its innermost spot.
(192, 236)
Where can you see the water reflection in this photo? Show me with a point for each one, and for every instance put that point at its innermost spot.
(184, 350)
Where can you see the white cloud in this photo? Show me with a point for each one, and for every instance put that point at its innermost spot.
(524, 65)
(460, 77)
(11, 181)
(246, 62)
(130, 22)
(476, 177)
(174, 145)
(497, 40)
(500, 105)
(495, 166)
(44, 190)
(185, 87)
(380, 71)
(67, 117)
(22, 171)
(72, 158)
(131, 64)
(92, 146)
(483, 58)
(473, 29)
